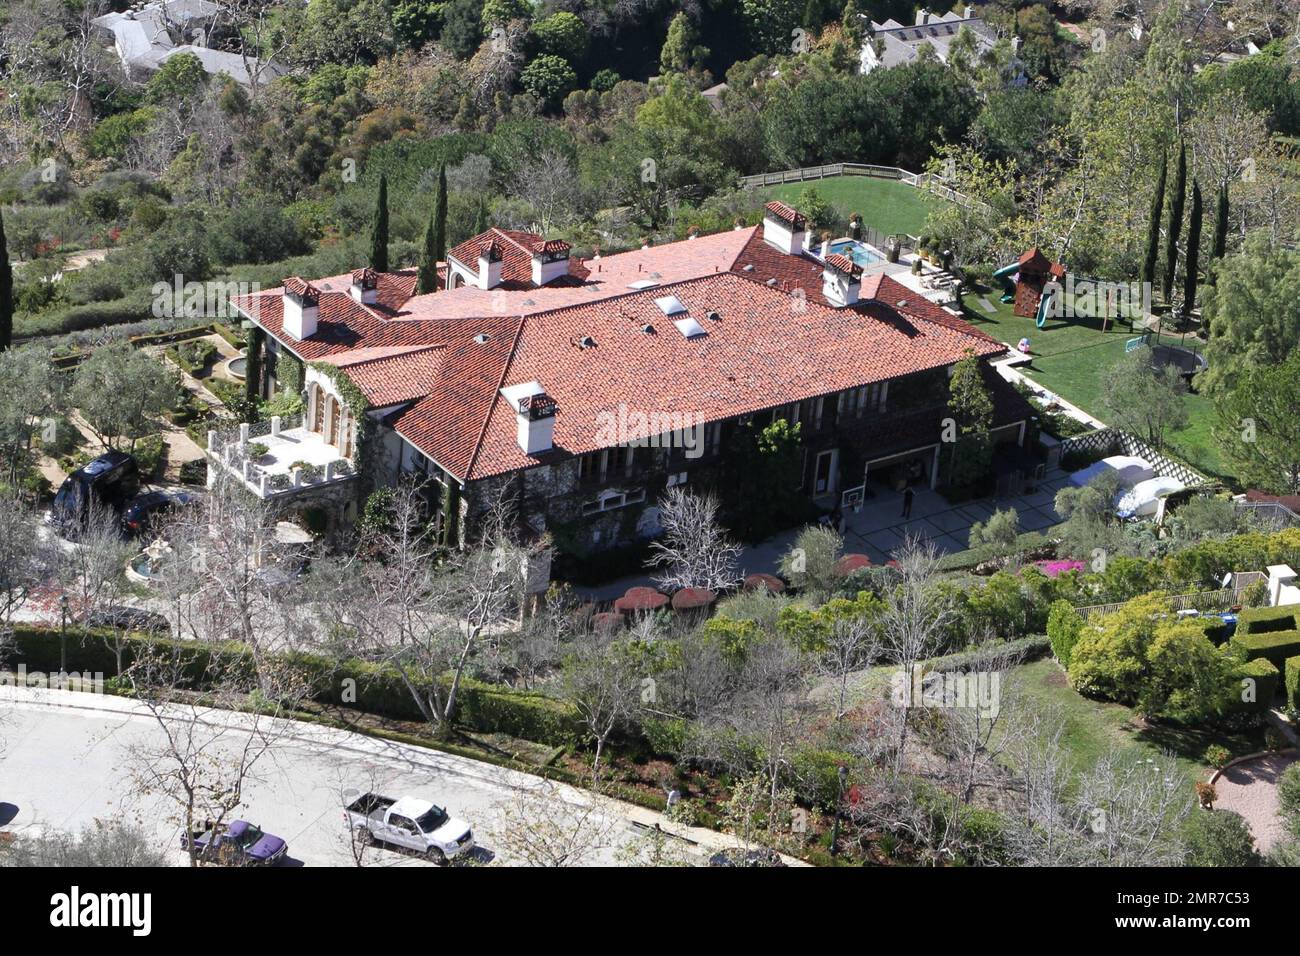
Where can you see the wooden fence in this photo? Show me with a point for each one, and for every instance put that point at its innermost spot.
(1113, 441)
(1219, 600)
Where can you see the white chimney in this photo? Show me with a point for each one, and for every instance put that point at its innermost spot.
(968, 13)
(365, 286)
(922, 17)
(784, 228)
(301, 308)
(841, 280)
(534, 417)
(489, 266)
(550, 261)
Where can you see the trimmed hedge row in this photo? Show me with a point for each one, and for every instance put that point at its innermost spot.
(1277, 647)
(1270, 632)
(1265, 620)
(1266, 677)
(1293, 682)
(353, 684)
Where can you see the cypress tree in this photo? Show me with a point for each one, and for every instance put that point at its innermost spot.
(435, 238)
(1220, 244)
(1176, 200)
(379, 232)
(427, 279)
(440, 218)
(6, 291)
(1193, 250)
(1153, 228)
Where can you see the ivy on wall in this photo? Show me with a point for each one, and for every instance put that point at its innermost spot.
(367, 430)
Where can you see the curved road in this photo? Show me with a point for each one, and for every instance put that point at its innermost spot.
(66, 760)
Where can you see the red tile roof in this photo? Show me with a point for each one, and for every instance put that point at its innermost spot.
(787, 214)
(760, 353)
(763, 350)
(392, 376)
(843, 264)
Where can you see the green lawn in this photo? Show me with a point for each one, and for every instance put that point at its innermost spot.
(1092, 727)
(1071, 357)
(885, 204)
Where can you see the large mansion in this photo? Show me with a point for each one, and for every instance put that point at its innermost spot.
(582, 388)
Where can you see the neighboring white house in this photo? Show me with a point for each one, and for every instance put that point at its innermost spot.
(893, 44)
(147, 35)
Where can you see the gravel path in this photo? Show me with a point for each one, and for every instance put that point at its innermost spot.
(1250, 788)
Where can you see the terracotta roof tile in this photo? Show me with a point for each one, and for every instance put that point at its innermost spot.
(448, 353)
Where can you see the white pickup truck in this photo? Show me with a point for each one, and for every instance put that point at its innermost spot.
(412, 823)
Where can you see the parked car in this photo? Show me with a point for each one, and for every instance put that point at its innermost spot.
(123, 617)
(110, 481)
(739, 856)
(238, 843)
(147, 511)
(413, 823)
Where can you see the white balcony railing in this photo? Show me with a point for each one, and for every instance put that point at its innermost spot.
(290, 460)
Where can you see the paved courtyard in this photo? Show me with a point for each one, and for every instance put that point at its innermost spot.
(879, 528)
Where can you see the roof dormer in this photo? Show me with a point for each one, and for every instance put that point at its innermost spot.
(841, 280)
(301, 302)
(785, 228)
(550, 261)
(365, 286)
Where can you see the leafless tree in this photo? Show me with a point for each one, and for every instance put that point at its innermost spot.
(604, 681)
(763, 718)
(915, 618)
(217, 725)
(402, 599)
(117, 843)
(550, 184)
(975, 739)
(694, 551)
(248, 577)
(853, 643)
(1125, 810)
(25, 558)
(548, 825)
(92, 572)
(256, 35)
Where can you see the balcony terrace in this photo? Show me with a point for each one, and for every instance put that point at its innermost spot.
(294, 459)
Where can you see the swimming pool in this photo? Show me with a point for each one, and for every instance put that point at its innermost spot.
(859, 252)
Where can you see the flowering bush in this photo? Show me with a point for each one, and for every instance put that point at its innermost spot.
(1056, 568)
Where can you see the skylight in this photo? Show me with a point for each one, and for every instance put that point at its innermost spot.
(643, 284)
(689, 327)
(670, 305)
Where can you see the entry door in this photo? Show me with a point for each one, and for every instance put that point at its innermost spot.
(824, 476)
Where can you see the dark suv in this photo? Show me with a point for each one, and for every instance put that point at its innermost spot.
(111, 481)
(146, 512)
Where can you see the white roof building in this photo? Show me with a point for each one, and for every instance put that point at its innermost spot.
(893, 44)
(149, 34)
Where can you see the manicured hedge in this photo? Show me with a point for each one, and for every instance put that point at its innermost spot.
(1266, 620)
(1268, 632)
(1277, 646)
(1266, 677)
(354, 684)
(1293, 682)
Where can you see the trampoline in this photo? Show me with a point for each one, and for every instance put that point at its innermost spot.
(1187, 361)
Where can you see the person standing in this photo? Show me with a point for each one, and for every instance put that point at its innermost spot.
(908, 495)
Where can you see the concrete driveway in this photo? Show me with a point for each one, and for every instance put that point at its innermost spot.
(66, 760)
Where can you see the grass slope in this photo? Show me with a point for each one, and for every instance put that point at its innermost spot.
(885, 204)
